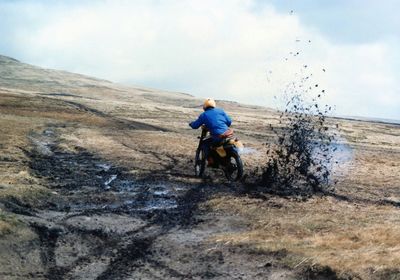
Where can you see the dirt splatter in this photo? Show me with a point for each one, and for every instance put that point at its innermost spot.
(300, 162)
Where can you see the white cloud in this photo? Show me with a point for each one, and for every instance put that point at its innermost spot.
(224, 49)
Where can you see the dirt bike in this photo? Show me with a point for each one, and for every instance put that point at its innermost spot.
(224, 155)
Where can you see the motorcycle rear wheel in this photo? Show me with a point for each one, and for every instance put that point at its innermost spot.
(234, 168)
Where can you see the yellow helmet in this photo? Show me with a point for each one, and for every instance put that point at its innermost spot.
(209, 102)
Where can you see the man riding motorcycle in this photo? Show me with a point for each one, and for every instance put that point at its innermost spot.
(216, 121)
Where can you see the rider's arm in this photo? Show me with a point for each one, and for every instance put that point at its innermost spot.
(197, 123)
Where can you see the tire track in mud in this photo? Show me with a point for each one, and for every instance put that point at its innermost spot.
(124, 262)
(48, 239)
(80, 181)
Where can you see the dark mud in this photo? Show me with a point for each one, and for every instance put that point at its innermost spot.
(98, 215)
(301, 160)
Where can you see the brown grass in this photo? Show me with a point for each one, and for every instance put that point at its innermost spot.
(8, 223)
(348, 237)
(39, 110)
(138, 150)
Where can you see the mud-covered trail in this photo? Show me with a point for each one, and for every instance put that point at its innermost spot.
(103, 223)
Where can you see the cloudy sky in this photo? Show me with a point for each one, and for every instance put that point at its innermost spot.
(241, 50)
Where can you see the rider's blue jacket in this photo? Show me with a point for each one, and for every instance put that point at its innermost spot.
(216, 121)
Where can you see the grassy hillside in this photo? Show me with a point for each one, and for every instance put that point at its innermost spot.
(57, 130)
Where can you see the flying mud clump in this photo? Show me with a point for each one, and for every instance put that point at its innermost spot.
(300, 162)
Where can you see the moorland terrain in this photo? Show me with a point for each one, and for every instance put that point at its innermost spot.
(97, 182)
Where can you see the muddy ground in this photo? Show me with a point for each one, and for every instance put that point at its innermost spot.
(101, 222)
(97, 182)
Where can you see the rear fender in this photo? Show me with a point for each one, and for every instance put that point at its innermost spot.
(229, 148)
(238, 145)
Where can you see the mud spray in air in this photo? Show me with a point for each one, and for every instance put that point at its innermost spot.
(301, 160)
(308, 147)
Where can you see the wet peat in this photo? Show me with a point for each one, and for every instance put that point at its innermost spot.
(300, 162)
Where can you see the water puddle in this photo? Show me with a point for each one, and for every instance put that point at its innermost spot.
(160, 204)
(109, 181)
(128, 196)
(104, 166)
(161, 192)
(151, 197)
